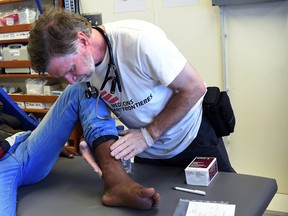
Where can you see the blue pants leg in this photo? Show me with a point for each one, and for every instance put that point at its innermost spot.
(33, 155)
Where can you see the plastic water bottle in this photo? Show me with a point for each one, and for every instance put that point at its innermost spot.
(126, 163)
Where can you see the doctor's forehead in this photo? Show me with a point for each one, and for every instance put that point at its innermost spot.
(59, 66)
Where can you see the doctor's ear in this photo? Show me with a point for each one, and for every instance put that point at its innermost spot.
(83, 39)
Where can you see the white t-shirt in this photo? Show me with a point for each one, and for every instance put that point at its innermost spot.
(147, 63)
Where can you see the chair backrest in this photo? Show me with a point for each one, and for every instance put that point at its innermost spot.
(10, 107)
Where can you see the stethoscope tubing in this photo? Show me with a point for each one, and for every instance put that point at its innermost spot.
(92, 91)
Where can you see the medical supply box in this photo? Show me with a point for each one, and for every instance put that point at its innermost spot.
(16, 52)
(201, 171)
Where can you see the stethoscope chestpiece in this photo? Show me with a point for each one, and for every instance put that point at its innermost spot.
(91, 91)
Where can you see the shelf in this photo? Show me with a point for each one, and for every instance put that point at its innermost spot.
(43, 111)
(15, 64)
(27, 76)
(34, 98)
(16, 33)
(9, 76)
(13, 41)
(20, 34)
(15, 28)
(9, 1)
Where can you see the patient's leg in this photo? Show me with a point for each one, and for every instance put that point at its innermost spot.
(120, 189)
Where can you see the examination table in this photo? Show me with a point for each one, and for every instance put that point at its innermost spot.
(73, 189)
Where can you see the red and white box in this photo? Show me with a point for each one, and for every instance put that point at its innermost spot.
(201, 171)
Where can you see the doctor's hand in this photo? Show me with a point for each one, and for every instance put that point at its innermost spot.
(132, 142)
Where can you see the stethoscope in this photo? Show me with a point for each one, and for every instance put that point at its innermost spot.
(91, 91)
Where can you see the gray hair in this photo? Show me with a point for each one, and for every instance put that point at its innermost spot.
(54, 34)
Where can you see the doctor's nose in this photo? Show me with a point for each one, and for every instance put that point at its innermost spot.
(70, 78)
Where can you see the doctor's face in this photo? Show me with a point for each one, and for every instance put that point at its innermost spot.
(76, 67)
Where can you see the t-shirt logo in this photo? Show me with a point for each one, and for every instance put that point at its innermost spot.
(109, 97)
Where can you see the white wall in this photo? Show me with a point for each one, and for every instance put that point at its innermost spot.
(194, 29)
(257, 68)
(257, 64)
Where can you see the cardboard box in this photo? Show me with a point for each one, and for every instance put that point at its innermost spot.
(21, 104)
(17, 70)
(15, 52)
(48, 105)
(37, 105)
(34, 105)
(49, 88)
(35, 86)
(57, 92)
(201, 171)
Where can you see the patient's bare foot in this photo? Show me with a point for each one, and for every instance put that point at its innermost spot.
(131, 194)
(120, 188)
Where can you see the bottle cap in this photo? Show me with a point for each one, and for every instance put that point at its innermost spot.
(120, 127)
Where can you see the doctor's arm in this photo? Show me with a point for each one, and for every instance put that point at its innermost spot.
(188, 88)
